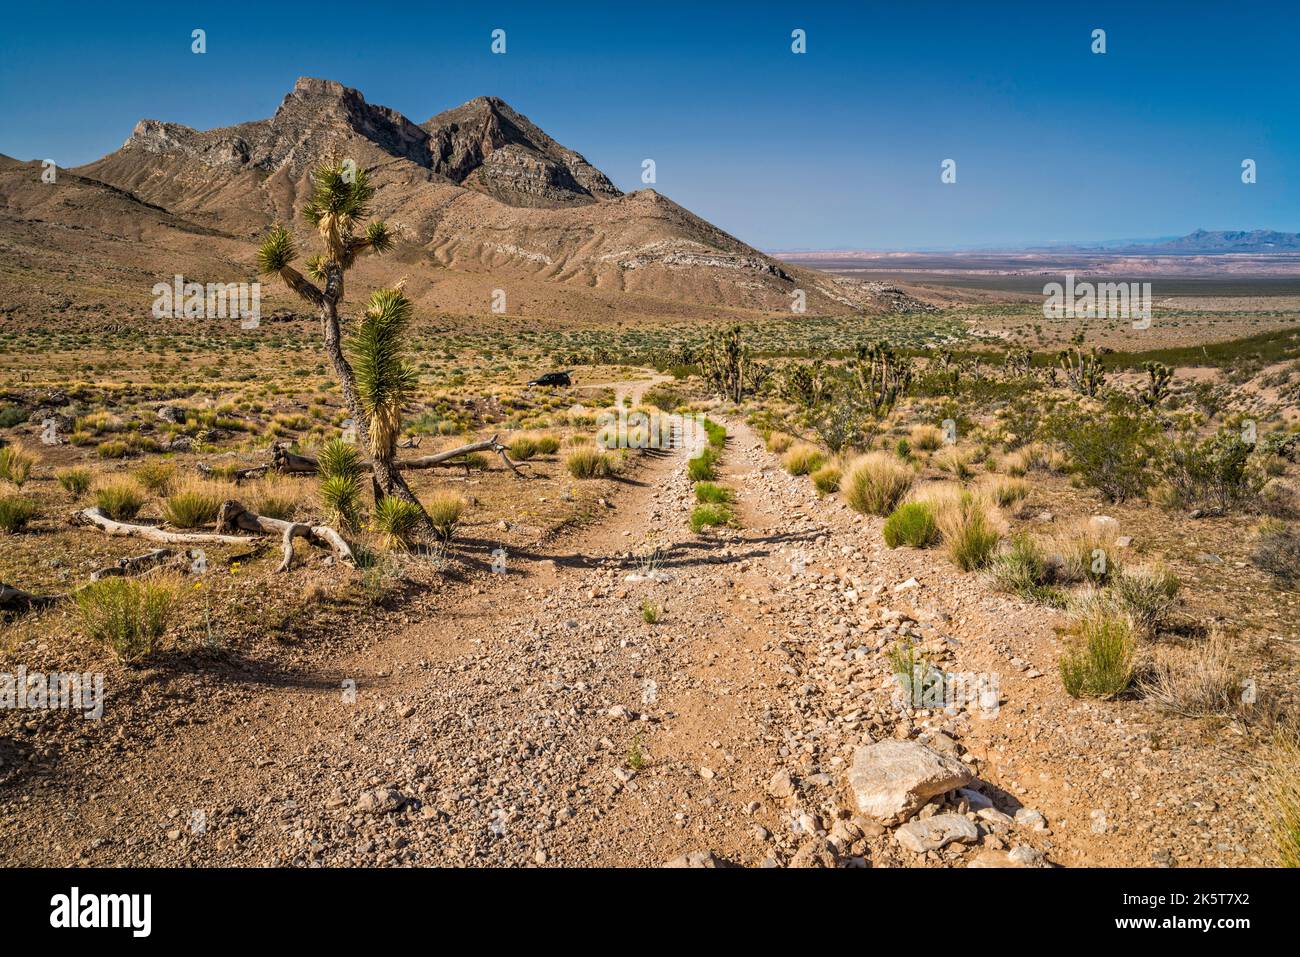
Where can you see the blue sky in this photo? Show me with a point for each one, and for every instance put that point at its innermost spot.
(840, 147)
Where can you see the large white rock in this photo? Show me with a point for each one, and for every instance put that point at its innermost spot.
(891, 780)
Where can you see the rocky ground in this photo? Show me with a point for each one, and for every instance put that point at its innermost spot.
(536, 718)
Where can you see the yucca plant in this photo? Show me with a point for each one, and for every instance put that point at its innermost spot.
(339, 466)
(397, 521)
(385, 382)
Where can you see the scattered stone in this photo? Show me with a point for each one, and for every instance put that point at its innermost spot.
(891, 780)
(780, 786)
(694, 859)
(936, 832)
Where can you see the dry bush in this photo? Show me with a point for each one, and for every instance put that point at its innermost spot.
(1148, 593)
(15, 464)
(445, 510)
(875, 483)
(827, 478)
(957, 462)
(1282, 778)
(1206, 680)
(195, 502)
(1003, 492)
(585, 463)
(120, 499)
(971, 529)
(1085, 552)
(803, 458)
(927, 438)
(778, 442)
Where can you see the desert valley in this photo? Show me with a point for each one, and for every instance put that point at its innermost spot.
(812, 559)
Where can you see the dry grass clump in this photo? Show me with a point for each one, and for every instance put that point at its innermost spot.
(925, 438)
(275, 498)
(971, 529)
(130, 615)
(803, 458)
(15, 464)
(1282, 778)
(875, 483)
(1004, 492)
(15, 512)
(826, 479)
(120, 499)
(957, 462)
(1277, 551)
(1199, 682)
(396, 521)
(445, 510)
(195, 502)
(778, 442)
(156, 476)
(1085, 552)
(1148, 593)
(75, 481)
(584, 463)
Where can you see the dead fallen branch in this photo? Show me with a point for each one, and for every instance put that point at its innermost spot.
(15, 599)
(282, 460)
(127, 567)
(93, 516)
(232, 515)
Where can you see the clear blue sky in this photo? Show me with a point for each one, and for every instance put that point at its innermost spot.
(837, 148)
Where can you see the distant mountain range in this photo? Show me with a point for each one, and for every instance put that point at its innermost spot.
(479, 195)
(1202, 242)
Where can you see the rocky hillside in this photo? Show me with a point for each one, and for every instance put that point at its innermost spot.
(476, 189)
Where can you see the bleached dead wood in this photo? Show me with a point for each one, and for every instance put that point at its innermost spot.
(233, 515)
(285, 461)
(126, 567)
(93, 516)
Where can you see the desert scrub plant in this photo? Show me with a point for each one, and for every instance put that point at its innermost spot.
(1004, 492)
(524, 448)
(1086, 553)
(547, 444)
(445, 510)
(921, 683)
(15, 465)
(274, 498)
(1282, 778)
(1023, 568)
(717, 434)
(703, 468)
(113, 449)
(778, 442)
(1099, 662)
(826, 480)
(1197, 682)
(195, 503)
(1215, 472)
(912, 523)
(711, 516)
(803, 459)
(584, 463)
(971, 529)
(339, 465)
(710, 493)
(1147, 593)
(1277, 551)
(875, 483)
(156, 476)
(925, 438)
(650, 612)
(955, 461)
(129, 615)
(120, 499)
(396, 521)
(15, 512)
(1108, 448)
(75, 481)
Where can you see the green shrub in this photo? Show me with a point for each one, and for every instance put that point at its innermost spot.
(11, 415)
(1099, 662)
(396, 520)
(129, 615)
(74, 480)
(120, 500)
(1023, 569)
(1214, 472)
(15, 464)
(717, 434)
(912, 523)
(15, 513)
(523, 448)
(195, 504)
(709, 493)
(712, 515)
(1277, 551)
(445, 510)
(826, 479)
(875, 483)
(1109, 448)
(970, 532)
(547, 444)
(585, 463)
(113, 449)
(703, 468)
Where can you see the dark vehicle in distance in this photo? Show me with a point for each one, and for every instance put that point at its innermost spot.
(554, 379)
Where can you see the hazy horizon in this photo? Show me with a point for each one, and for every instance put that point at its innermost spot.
(838, 148)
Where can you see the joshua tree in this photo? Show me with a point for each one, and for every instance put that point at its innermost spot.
(806, 384)
(1018, 362)
(881, 376)
(1082, 369)
(728, 366)
(340, 203)
(1157, 387)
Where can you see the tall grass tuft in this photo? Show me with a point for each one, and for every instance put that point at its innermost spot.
(1099, 662)
(584, 463)
(195, 503)
(15, 465)
(127, 614)
(120, 499)
(912, 523)
(445, 510)
(15, 512)
(875, 483)
(971, 529)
